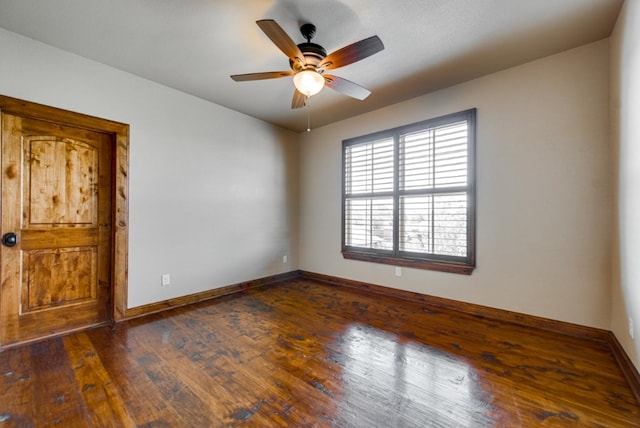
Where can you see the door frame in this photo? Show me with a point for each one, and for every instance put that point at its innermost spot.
(119, 185)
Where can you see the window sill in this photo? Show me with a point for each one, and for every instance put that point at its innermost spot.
(436, 265)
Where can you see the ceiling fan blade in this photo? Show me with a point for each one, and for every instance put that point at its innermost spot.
(352, 53)
(299, 100)
(261, 76)
(346, 87)
(281, 39)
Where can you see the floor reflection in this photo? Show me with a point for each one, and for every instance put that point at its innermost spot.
(406, 383)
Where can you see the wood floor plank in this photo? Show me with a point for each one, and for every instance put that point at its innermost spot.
(166, 377)
(306, 354)
(298, 393)
(132, 382)
(16, 388)
(106, 408)
(237, 393)
(55, 404)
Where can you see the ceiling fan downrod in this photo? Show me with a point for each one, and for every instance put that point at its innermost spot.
(308, 31)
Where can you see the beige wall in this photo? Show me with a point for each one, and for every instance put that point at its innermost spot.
(625, 120)
(544, 203)
(213, 193)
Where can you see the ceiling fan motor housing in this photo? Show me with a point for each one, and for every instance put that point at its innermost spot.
(313, 53)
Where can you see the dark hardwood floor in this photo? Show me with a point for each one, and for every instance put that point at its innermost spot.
(305, 354)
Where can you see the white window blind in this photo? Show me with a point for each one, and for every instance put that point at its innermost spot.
(370, 178)
(409, 192)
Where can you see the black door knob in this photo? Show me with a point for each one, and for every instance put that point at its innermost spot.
(10, 239)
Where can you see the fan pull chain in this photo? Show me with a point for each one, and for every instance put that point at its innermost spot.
(306, 101)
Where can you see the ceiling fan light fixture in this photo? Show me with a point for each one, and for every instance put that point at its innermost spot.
(308, 82)
(309, 61)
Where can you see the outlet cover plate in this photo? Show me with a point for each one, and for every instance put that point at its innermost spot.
(166, 279)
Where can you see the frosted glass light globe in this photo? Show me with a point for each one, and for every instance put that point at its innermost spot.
(308, 82)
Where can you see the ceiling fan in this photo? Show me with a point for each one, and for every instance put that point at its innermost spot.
(309, 61)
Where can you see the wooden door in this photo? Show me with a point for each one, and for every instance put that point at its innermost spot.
(56, 197)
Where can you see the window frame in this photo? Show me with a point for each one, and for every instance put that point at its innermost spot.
(442, 263)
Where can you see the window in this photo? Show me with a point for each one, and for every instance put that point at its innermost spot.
(409, 195)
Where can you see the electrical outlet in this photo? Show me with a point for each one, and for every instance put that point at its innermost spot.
(284, 259)
(631, 327)
(166, 279)
(398, 271)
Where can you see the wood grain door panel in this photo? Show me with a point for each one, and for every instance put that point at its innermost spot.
(58, 277)
(60, 175)
(56, 195)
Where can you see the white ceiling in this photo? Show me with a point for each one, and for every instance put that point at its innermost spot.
(195, 45)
